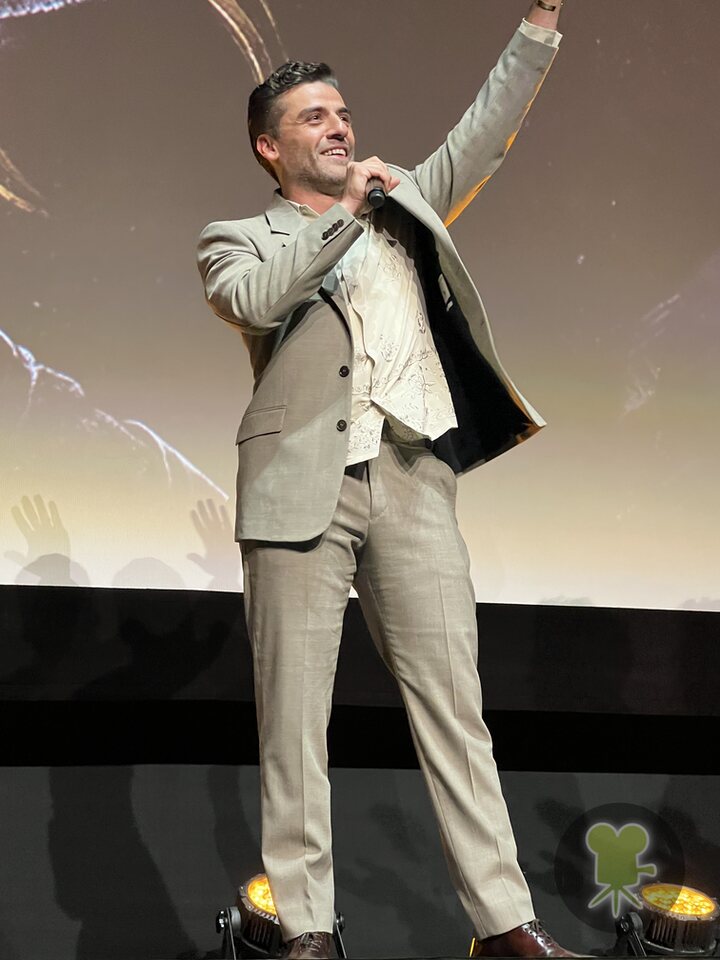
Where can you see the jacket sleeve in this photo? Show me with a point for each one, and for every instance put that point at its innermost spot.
(456, 172)
(258, 294)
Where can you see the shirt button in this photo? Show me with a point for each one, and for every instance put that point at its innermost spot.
(344, 371)
(341, 425)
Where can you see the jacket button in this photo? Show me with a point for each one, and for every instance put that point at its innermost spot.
(325, 235)
(341, 425)
(340, 222)
(344, 371)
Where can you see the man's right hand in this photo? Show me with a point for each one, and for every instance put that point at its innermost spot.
(354, 197)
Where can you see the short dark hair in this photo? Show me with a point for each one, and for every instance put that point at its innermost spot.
(263, 111)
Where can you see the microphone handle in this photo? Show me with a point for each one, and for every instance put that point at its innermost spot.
(375, 192)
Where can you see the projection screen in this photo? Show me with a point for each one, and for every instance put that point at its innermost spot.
(596, 248)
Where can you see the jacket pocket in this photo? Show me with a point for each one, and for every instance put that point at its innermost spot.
(258, 422)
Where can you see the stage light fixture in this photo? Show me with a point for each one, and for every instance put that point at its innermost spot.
(251, 929)
(258, 893)
(674, 920)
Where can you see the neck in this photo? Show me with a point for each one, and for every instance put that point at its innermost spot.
(319, 202)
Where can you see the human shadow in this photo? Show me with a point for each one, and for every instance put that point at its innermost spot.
(701, 850)
(406, 870)
(235, 841)
(167, 642)
(105, 876)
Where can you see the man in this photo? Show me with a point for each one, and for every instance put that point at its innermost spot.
(376, 382)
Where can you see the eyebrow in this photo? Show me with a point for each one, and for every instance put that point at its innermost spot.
(308, 110)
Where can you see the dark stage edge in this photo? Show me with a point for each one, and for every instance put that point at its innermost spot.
(88, 733)
(95, 644)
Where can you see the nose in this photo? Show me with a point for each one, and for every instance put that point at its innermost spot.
(338, 129)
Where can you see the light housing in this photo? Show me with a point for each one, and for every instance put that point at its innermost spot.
(259, 925)
(678, 919)
(251, 929)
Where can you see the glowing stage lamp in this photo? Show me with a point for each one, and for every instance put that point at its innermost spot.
(251, 928)
(673, 920)
(259, 926)
(679, 919)
(257, 892)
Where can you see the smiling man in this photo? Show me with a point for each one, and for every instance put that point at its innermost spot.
(376, 384)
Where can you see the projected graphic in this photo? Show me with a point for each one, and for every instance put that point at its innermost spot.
(596, 248)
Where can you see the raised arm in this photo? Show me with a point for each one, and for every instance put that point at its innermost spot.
(455, 173)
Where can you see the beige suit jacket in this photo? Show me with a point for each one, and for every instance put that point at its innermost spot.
(273, 276)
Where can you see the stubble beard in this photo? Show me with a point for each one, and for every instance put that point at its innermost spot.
(328, 182)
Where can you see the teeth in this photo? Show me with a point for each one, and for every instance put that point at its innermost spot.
(334, 153)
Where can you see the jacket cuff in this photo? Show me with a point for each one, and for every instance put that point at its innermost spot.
(339, 220)
(544, 34)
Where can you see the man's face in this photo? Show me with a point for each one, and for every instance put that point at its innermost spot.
(315, 140)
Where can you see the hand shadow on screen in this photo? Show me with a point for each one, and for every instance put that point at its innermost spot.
(50, 644)
(221, 556)
(47, 558)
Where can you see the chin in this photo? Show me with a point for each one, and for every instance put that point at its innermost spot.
(329, 183)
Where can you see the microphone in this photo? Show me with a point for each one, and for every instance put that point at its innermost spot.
(375, 192)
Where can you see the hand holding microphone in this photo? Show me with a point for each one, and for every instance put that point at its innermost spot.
(375, 195)
(367, 185)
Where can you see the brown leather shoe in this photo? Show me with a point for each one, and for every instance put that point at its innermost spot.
(528, 940)
(313, 945)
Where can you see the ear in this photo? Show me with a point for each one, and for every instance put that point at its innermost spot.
(266, 147)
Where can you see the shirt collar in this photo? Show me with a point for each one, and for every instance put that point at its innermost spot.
(304, 210)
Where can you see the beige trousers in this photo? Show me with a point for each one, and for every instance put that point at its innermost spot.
(394, 536)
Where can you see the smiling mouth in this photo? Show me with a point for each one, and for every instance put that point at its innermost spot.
(338, 153)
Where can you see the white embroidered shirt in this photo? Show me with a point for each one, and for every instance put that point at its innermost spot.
(396, 373)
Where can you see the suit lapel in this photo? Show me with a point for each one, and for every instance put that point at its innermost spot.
(282, 217)
(408, 196)
(284, 220)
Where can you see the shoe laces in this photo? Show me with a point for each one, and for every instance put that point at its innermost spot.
(311, 936)
(537, 926)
